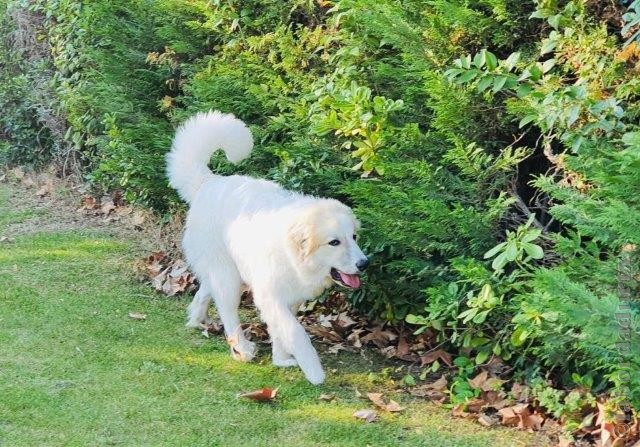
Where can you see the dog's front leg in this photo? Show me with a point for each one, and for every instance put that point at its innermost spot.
(292, 338)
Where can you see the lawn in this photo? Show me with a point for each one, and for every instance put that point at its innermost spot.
(76, 370)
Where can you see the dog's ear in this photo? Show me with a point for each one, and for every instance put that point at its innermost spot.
(303, 238)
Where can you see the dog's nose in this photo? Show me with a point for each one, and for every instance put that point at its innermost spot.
(362, 264)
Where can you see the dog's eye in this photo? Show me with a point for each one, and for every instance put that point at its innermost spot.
(334, 242)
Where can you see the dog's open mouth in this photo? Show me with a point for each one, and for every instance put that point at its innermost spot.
(345, 279)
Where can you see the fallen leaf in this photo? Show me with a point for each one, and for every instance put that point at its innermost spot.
(439, 385)
(89, 203)
(403, 347)
(334, 349)
(354, 338)
(327, 397)
(379, 337)
(45, 189)
(211, 328)
(378, 401)
(138, 218)
(487, 421)
(432, 356)
(326, 334)
(366, 415)
(262, 395)
(123, 210)
(459, 412)
(474, 405)
(138, 316)
(510, 415)
(107, 206)
(478, 381)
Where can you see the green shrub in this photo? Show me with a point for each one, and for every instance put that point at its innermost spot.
(444, 124)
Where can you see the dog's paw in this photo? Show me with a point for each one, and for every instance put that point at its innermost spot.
(315, 377)
(243, 351)
(285, 363)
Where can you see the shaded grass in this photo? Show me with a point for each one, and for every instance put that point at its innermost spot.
(75, 370)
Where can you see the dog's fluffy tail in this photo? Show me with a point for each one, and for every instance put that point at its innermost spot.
(195, 140)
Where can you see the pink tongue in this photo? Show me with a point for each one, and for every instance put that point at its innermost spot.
(350, 280)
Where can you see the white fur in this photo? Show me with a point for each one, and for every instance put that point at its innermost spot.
(243, 232)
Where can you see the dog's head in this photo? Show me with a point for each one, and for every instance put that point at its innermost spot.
(324, 239)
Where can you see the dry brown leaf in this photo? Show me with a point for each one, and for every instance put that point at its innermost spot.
(403, 347)
(478, 381)
(123, 211)
(327, 397)
(138, 218)
(459, 412)
(432, 356)
(211, 328)
(261, 395)
(89, 203)
(378, 401)
(474, 405)
(28, 181)
(520, 392)
(107, 207)
(335, 348)
(137, 315)
(354, 338)
(510, 415)
(366, 415)
(379, 337)
(531, 421)
(487, 421)
(326, 334)
(45, 189)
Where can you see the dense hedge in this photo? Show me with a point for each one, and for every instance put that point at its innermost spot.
(445, 124)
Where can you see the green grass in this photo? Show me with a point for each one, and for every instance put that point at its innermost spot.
(75, 370)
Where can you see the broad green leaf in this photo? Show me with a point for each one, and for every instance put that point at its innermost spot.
(492, 60)
(519, 336)
(479, 59)
(467, 76)
(526, 120)
(511, 251)
(499, 262)
(512, 60)
(484, 83)
(494, 250)
(548, 65)
(532, 235)
(482, 357)
(533, 250)
(481, 317)
(498, 83)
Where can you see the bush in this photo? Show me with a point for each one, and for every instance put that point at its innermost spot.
(449, 129)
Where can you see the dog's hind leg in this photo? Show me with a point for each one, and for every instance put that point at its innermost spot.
(226, 293)
(198, 309)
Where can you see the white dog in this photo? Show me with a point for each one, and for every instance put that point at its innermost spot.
(244, 233)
